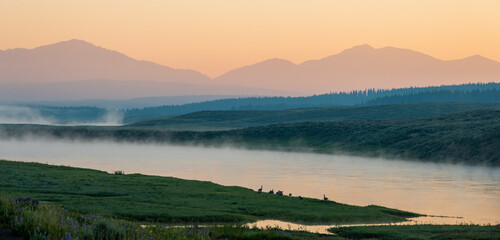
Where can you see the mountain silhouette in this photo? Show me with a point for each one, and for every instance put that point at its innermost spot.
(363, 67)
(77, 70)
(77, 60)
(70, 69)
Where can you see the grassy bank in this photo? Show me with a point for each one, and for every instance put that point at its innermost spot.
(435, 232)
(167, 199)
(31, 219)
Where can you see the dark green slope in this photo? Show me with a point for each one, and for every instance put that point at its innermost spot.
(220, 120)
(470, 137)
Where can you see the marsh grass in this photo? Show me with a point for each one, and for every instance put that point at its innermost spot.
(435, 232)
(50, 221)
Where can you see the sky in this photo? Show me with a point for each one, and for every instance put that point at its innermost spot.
(219, 35)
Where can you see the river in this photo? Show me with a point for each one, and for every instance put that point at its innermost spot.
(465, 194)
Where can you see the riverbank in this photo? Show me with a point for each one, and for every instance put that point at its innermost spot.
(24, 218)
(464, 231)
(28, 218)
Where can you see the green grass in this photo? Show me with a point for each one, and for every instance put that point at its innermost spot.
(45, 220)
(414, 232)
(167, 199)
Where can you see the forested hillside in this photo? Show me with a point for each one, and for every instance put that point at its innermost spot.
(479, 92)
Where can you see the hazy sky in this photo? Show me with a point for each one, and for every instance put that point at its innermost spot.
(218, 35)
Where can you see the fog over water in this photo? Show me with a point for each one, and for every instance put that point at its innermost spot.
(472, 193)
(12, 114)
(21, 115)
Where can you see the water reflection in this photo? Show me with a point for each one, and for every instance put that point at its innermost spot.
(444, 190)
(323, 229)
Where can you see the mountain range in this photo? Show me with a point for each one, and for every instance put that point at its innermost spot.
(364, 67)
(76, 69)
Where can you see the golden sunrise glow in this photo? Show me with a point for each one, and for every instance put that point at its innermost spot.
(216, 36)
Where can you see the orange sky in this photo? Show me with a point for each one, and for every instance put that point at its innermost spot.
(218, 35)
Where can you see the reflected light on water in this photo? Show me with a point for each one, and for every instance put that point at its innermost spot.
(323, 229)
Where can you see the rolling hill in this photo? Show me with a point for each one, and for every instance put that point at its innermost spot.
(220, 120)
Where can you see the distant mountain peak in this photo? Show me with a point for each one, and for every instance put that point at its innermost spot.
(276, 61)
(360, 48)
(72, 44)
(76, 41)
(477, 57)
(356, 51)
(363, 46)
(478, 60)
(77, 60)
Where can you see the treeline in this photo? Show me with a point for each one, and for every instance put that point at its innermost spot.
(472, 92)
(435, 96)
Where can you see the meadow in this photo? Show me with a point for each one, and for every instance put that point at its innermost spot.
(173, 200)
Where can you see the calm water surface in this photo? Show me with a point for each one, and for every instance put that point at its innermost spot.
(471, 193)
